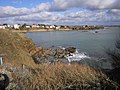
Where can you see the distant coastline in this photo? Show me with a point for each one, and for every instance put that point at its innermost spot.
(41, 30)
(47, 28)
(52, 30)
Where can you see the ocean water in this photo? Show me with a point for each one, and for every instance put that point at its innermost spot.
(88, 43)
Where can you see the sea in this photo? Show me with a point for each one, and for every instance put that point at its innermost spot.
(91, 46)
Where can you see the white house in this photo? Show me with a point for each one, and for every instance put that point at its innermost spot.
(47, 26)
(52, 26)
(43, 26)
(16, 26)
(2, 27)
(35, 26)
(28, 26)
(57, 27)
(10, 26)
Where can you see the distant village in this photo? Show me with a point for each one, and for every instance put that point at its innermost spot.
(46, 27)
(25, 26)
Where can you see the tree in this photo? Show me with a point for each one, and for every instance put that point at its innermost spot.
(24, 25)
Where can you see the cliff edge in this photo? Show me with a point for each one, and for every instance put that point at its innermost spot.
(16, 48)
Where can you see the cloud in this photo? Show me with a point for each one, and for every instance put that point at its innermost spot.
(42, 17)
(78, 17)
(61, 5)
(41, 7)
(87, 12)
(10, 11)
(115, 11)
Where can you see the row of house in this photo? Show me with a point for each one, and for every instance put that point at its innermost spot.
(33, 26)
(15, 26)
(46, 26)
(5, 26)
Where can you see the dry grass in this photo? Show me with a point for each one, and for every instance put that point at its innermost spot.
(64, 77)
(61, 76)
(15, 48)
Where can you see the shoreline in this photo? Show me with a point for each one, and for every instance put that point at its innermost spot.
(40, 30)
(50, 30)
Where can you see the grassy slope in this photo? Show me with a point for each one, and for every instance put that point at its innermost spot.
(60, 77)
(15, 48)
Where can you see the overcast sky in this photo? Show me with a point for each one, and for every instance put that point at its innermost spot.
(68, 12)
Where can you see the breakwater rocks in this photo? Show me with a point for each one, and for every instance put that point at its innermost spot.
(53, 55)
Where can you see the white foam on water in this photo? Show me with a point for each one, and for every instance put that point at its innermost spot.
(76, 56)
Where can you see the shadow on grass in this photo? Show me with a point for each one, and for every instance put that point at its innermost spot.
(114, 55)
(4, 81)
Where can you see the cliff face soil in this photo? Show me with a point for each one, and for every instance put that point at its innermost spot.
(16, 48)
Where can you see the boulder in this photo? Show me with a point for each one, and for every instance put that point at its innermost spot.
(60, 53)
(70, 49)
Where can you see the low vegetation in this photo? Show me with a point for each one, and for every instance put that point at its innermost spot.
(86, 27)
(58, 76)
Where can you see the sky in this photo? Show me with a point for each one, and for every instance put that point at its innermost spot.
(60, 12)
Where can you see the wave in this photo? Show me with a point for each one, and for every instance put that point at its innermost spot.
(77, 56)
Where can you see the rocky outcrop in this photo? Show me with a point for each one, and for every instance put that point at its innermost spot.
(52, 55)
(70, 49)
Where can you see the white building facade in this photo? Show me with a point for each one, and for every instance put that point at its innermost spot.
(16, 26)
(2, 27)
